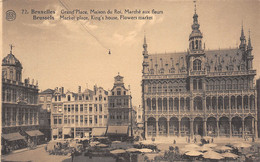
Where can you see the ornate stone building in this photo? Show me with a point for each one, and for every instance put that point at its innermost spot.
(20, 109)
(200, 92)
(120, 121)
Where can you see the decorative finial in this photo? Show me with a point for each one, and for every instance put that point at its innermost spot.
(195, 6)
(11, 47)
(118, 73)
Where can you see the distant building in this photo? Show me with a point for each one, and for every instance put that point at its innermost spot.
(139, 116)
(78, 115)
(20, 109)
(45, 102)
(120, 110)
(258, 104)
(199, 92)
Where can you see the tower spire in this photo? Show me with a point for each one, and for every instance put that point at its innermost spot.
(242, 38)
(195, 6)
(249, 46)
(145, 44)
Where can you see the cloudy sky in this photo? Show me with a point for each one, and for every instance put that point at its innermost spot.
(62, 53)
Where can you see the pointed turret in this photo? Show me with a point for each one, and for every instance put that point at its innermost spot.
(242, 39)
(145, 54)
(249, 46)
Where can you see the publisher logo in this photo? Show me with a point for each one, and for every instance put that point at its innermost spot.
(10, 15)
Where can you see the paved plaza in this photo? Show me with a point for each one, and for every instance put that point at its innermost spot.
(40, 155)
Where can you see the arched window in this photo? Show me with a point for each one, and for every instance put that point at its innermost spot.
(192, 43)
(154, 104)
(229, 84)
(194, 84)
(118, 91)
(68, 97)
(149, 104)
(197, 65)
(197, 103)
(235, 86)
(200, 84)
(197, 44)
(223, 85)
(160, 104)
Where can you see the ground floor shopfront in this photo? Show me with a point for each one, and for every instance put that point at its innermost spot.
(14, 138)
(205, 126)
(77, 132)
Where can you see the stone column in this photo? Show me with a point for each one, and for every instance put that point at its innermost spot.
(17, 116)
(12, 114)
(243, 128)
(191, 128)
(204, 127)
(255, 129)
(168, 126)
(157, 128)
(179, 130)
(204, 104)
(236, 103)
(146, 129)
(230, 128)
(218, 128)
(179, 103)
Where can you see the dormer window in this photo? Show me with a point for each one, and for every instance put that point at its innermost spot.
(196, 65)
(118, 91)
(68, 97)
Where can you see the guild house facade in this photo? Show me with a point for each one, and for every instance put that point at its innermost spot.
(20, 109)
(200, 92)
(120, 121)
(79, 115)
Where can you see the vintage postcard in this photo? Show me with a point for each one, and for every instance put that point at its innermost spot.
(130, 80)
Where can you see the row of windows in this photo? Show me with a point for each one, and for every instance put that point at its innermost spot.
(197, 85)
(233, 102)
(174, 87)
(228, 84)
(19, 117)
(118, 102)
(86, 108)
(71, 119)
(81, 98)
(118, 116)
(14, 95)
(11, 75)
(228, 68)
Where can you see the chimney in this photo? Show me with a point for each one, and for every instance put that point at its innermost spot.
(62, 90)
(79, 89)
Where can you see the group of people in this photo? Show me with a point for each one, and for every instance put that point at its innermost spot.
(195, 140)
(13, 145)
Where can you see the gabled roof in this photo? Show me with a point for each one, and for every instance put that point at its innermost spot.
(47, 91)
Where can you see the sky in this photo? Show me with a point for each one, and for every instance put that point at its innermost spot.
(62, 53)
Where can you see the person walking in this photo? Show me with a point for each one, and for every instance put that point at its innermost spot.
(72, 154)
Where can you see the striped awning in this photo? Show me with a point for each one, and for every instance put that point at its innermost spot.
(13, 136)
(113, 130)
(66, 131)
(97, 132)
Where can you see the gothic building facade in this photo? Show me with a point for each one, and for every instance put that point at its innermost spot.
(200, 92)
